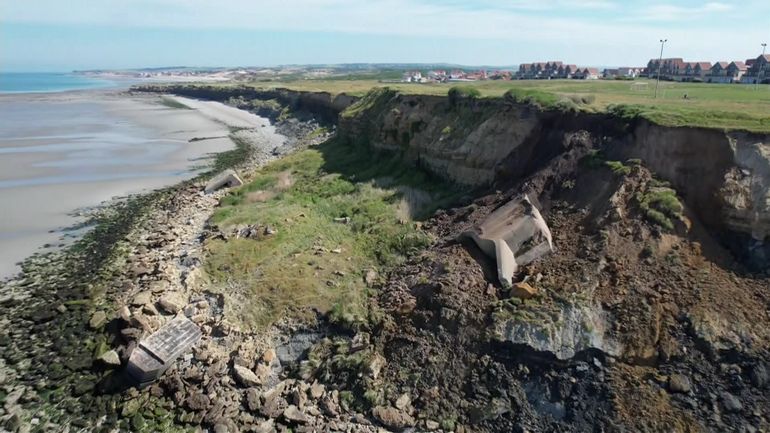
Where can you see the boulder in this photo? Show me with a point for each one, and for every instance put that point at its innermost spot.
(731, 402)
(142, 298)
(679, 383)
(111, 358)
(246, 377)
(98, 320)
(523, 290)
(293, 414)
(227, 179)
(393, 418)
(172, 302)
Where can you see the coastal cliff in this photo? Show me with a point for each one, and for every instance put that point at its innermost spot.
(724, 177)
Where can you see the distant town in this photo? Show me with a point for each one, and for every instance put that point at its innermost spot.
(750, 71)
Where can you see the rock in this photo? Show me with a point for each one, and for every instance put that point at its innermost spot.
(125, 313)
(61, 308)
(142, 298)
(317, 390)
(293, 414)
(253, 401)
(731, 402)
(198, 401)
(523, 290)
(227, 179)
(273, 404)
(759, 376)
(679, 383)
(403, 401)
(269, 231)
(299, 397)
(110, 357)
(98, 319)
(431, 425)
(375, 365)
(266, 427)
(370, 277)
(245, 376)
(392, 418)
(343, 220)
(172, 302)
(221, 428)
(269, 356)
(149, 310)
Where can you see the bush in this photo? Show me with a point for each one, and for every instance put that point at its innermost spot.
(660, 206)
(530, 96)
(567, 106)
(617, 167)
(458, 92)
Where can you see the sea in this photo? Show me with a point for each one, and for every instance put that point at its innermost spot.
(36, 82)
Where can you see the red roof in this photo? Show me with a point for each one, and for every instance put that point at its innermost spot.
(593, 71)
(740, 65)
(703, 65)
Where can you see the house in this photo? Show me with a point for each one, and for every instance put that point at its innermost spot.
(669, 68)
(412, 77)
(736, 70)
(758, 72)
(700, 70)
(456, 75)
(587, 74)
(718, 73)
(611, 73)
(439, 75)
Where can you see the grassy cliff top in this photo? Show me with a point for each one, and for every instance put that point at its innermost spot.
(721, 106)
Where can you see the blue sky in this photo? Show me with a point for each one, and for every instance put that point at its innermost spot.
(57, 35)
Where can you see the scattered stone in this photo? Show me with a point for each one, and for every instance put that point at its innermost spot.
(392, 418)
(269, 356)
(141, 299)
(731, 402)
(266, 427)
(61, 308)
(172, 302)
(125, 313)
(679, 383)
(198, 401)
(253, 401)
(150, 310)
(337, 251)
(759, 376)
(269, 231)
(403, 401)
(523, 290)
(342, 220)
(293, 414)
(98, 320)
(110, 357)
(370, 277)
(431, 425)
(317, 390)
(245, 376)
(375, 365)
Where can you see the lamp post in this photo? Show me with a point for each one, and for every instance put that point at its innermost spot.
(761, 68)
(660, 64)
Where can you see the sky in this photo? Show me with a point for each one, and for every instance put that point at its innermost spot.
(64, 35)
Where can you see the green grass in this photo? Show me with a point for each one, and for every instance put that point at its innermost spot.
(295, 271)
(721, 106)
(661, 206)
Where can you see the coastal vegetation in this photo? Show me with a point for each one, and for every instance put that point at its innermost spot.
(328, 216)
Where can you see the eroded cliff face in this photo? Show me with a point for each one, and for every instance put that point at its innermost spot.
(724, 177)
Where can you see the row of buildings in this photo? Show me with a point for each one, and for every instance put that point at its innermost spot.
(674, 69)
(751, 71)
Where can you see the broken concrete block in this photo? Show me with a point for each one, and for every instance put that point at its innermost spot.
(156, 353)
(227, 179)
(515, 235)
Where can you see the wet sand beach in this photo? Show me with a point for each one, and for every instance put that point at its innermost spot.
(60, 153)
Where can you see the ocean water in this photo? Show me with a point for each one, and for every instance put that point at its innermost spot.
(25, 82)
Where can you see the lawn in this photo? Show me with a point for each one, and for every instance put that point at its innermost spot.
(314, 261)
(722, 106)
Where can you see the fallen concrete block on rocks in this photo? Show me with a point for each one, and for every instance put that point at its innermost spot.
(515, 235)
(227, 179)
(156, 353)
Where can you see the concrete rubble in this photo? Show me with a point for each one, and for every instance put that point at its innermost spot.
(515, 235)
(227, 179)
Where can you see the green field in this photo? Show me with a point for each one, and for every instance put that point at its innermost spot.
(722, 106)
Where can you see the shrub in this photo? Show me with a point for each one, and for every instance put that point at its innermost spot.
(618, 168)
(660, 206)
(567, 105)
(459, 92)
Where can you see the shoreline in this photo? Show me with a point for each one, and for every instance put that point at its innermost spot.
(143, 145)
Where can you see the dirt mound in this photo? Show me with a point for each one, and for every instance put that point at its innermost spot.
(640, 322)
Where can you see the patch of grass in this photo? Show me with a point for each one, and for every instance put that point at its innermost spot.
(313, 263)
(618, 168)
(368, 102)
(463, 92)
(660, 205)
(721, 106)
(173, 103)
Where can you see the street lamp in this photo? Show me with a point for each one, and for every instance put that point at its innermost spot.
(761, 67)
(660, 64)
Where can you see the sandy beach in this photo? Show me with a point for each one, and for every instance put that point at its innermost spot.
(60, 153)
